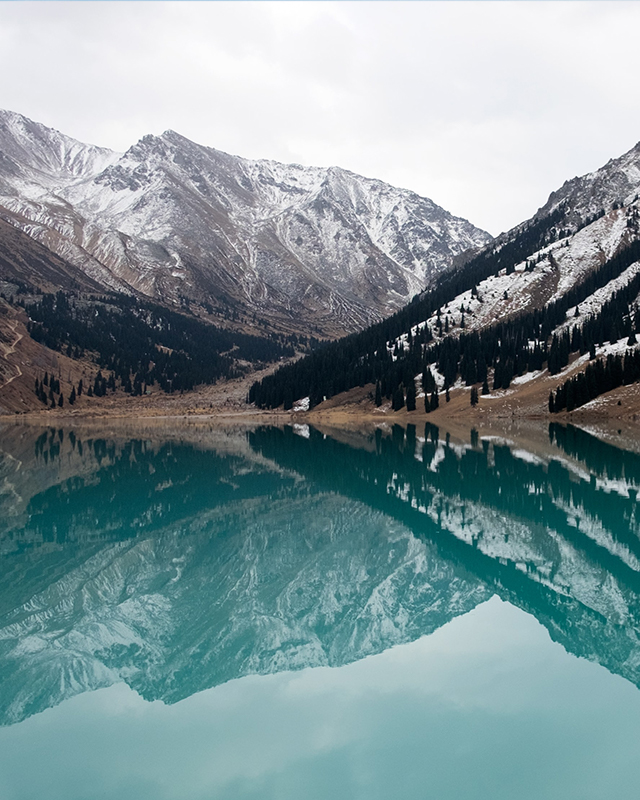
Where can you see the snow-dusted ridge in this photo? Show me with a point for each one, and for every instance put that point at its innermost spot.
(586, 224)
(305, 246)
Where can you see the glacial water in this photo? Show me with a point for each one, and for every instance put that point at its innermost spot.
(287, 613)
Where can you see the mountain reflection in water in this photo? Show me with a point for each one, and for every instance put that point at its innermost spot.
(176, 567)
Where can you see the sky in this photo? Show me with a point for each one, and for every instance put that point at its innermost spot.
(485, 107)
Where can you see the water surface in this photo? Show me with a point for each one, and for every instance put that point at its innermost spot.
(285, 613)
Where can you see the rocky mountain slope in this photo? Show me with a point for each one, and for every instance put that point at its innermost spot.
(596, 216)
(570, 272)
(27, 264)
(56, 321)
(318, 250)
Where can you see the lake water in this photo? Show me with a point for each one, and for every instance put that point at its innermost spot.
(288, 613)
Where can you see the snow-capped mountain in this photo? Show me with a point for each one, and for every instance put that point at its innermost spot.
(595, 216)
(567, 280)
(301, 246)
(617, 182)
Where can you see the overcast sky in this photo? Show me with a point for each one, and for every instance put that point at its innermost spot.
(486, 107)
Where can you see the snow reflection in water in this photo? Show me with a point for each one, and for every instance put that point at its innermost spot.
(176, 568)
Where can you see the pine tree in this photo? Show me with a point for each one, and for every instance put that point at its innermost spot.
(571, 404)
(397, 401)
(474, 396)
(378, 400)
(411, 395)
(428, 381)
(288, 397)
(507, 373)
(497, 375)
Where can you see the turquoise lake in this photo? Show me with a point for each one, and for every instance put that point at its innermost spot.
(290, 613)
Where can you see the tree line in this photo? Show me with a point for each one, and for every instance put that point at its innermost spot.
(141, 344)
(600, 376)
(48, 387)
(508, 348)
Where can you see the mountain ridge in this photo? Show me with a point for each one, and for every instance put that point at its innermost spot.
(276, 247)
(170, 218)
(565, 279)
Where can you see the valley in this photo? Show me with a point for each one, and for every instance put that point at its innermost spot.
(177, 279)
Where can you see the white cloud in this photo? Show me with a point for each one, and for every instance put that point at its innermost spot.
(484, 106)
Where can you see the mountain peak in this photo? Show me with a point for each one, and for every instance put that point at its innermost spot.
(51, 154)
(615, 183)
(311, 249)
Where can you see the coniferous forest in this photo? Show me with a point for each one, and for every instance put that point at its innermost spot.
(392, 353)
(137, 343)
(141, 344)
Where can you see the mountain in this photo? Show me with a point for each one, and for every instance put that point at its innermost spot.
(56, 321)
(584, 197)
(304, 248)
(594, 217)
(562, 283)
(25, 262)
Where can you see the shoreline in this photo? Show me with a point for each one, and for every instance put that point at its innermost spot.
(615, 428)
(614, 416)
